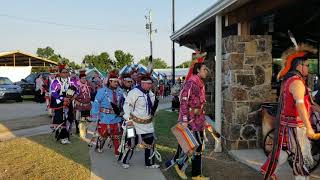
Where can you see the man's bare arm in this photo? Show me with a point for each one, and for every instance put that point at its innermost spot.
(297, 89)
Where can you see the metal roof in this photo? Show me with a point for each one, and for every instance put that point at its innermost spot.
(9, 53)
(210, 12)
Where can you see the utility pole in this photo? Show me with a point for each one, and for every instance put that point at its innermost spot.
(173, 49)
(150, 32)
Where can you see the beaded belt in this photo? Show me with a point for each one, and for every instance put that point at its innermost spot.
(291, 121)
(196, 111)
(82, 104)
(139, 120)
(107, 111)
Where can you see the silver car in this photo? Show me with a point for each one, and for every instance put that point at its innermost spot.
(9, 91)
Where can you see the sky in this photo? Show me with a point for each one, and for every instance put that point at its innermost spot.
(75, 28)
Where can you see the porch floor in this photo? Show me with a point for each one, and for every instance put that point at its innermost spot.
(254, 158)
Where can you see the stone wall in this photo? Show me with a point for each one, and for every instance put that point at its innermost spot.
(246, 83)
(210, 85)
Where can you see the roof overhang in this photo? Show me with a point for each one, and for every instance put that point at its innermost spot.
(22, 59)
(206, 15)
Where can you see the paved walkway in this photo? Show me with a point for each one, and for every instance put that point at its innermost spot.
(105, 166)
(15, 110)
(25, 132)
(254, 158)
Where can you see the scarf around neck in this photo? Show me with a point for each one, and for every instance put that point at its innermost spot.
(149, 102)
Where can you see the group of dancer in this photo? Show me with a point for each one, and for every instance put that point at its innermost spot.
(124, 109)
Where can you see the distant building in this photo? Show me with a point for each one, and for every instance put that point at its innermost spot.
(18, 58)
(17, 65)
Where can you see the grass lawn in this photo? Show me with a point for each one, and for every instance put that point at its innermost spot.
(215, 165)
(41, 157)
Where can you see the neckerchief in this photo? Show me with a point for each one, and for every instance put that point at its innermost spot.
(64, 83)
(114, 97)
(149, 102)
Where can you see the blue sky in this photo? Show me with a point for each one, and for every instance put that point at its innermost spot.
(75, 28)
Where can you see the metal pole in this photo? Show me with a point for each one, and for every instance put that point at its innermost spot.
(318, 60)
(173, 48)
(150, 36)
(14, 60)
(218, 73)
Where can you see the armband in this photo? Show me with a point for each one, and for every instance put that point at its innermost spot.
(300, 101)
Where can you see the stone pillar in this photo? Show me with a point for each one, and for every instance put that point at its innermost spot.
(246, 83)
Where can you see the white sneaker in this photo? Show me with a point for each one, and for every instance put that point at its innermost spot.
(155, 166)
(65, 141)
(125, 166)
(99, 150)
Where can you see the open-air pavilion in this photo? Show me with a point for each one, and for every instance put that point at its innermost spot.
(18, 58)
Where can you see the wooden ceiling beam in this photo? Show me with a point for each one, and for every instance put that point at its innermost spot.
(255, 8)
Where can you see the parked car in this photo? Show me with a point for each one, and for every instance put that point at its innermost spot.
(9, 91)
(28, 84)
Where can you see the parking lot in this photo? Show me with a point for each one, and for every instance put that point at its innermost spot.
(13, 110)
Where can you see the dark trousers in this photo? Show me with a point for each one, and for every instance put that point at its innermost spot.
(148, 139)
(58, 118)
(70, 117)
(62, 132)
(38, 97)
(131, 143)
(196, 159)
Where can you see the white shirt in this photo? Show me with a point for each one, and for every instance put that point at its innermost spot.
(136, 104)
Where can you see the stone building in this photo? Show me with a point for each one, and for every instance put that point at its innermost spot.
(242, 37)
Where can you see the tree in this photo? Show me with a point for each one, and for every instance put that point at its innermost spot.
(122, 59)
(157, 63)
(46, 52)
(55, 57)
(185, 64)
(102, 61)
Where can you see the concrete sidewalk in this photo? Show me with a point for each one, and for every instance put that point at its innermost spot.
(25, 133)
(105, 166)
(21, 110)
(254, 158)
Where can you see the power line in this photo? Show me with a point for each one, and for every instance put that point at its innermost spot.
(32, 20)
(50, 22)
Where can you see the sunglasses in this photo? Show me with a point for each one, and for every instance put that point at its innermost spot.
(307, 65)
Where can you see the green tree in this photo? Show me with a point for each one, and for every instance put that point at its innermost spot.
(49, 53)
(157, 63)
(55, 57)
(46, 52)
(185, 64)
(122, 59)
(102, 61)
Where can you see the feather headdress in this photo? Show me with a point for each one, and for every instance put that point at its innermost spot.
(289, 55)
(197, 57)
